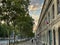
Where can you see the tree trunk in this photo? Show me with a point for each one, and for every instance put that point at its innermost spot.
(8, 32)
(14, 38)
(9, 40)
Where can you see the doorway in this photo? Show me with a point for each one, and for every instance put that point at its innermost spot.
(59, 35)
(54, 37)
(50, 37)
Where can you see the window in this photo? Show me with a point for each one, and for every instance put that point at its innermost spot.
(49, 17)
(53, 11)
(51, 0)
(50, 37)
(46, 21)
(58, 6)
(59, 35)
(54, 37)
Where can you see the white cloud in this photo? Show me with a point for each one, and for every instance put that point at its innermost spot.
(34, 10)
(34, 7)
(35, 17)
(36, 1)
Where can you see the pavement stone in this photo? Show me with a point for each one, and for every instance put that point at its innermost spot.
(27, 43)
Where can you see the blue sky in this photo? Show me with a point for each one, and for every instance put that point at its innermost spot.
(35, 9)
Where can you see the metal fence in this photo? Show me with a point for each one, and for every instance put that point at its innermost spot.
(4, 42)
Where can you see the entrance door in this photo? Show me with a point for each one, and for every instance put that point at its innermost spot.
(59, 35)
(54, 37)
(50, 37)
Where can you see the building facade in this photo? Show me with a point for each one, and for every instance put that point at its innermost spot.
(48, 27)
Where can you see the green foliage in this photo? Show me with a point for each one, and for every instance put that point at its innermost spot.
(16, 12)
(25, 24)
(5, 30)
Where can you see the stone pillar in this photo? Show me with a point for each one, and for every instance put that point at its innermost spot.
(57, 36)
(52, 38)
(55, 8)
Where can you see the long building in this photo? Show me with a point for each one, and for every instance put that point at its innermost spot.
(48, 28)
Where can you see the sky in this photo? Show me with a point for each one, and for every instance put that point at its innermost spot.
(35, 9)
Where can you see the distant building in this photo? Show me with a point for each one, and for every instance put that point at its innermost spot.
(48, 27)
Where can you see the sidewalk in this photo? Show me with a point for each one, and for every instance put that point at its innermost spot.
(27, 43)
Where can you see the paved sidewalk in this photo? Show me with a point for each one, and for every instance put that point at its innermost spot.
(27, 43)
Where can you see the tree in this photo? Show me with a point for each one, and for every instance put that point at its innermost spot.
(26, 26)
(4, 30)
(16, 12)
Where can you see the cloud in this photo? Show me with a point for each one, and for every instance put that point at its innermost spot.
(34, 10)
(34, 7)
(35, 17)
(36, 1)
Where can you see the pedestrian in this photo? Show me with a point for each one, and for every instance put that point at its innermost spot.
(32, 40)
